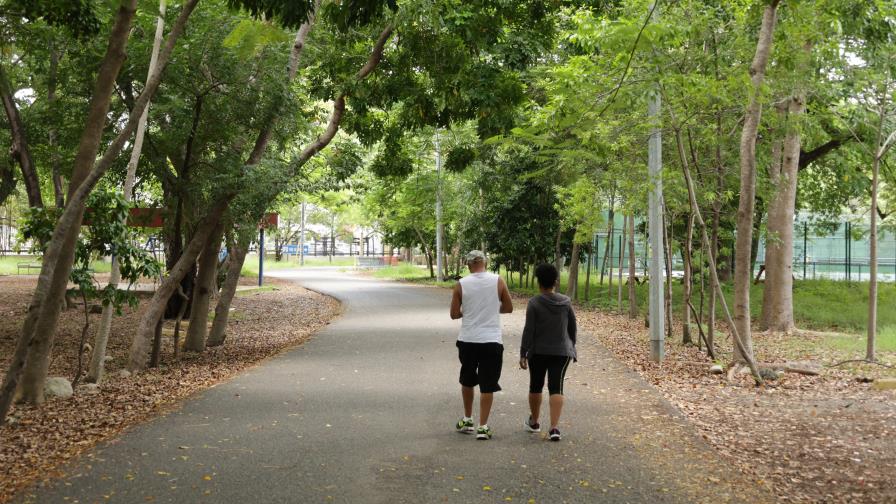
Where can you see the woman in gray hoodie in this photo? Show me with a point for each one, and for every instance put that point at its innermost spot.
(548, 346)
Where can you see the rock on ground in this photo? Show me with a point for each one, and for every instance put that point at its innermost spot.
(58, 386)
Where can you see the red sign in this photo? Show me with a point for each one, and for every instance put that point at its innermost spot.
(146, 217)
(270, 220)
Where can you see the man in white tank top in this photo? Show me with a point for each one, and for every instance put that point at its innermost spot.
(478, 299)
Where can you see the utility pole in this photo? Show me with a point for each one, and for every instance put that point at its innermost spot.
(302, 238)
(439, 265)
(655, 224)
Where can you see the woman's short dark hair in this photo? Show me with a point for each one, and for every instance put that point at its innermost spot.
(547, 275)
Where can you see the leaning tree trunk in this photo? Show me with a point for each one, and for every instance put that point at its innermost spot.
(19, 149)
(98, 357)
(572, 288)
(714, 276)
(140, 345)
(43, 312)
(686, 255)
(747, 203)
(222, 310)
(688, 283)
(61, 251)
(667, 251)
(206, 285)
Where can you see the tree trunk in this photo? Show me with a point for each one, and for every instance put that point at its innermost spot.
(558, 256)
(667, 251)
(43, 311)
(872, 264)
(588, 272)
(174, 305)
(222, 310)
(777, 300)
(778, 291)
(156, 356)
(603, 263)
(714, 241)
(609, 259)
(572, 288)
(632, 297)
(97, 361)
(142, 339)
(619, 267)
(206, 286)
(716, 285)
(746, 205)
(43, 332)
(687, 283)
(19, 149)
(880, 150)
(139, 346)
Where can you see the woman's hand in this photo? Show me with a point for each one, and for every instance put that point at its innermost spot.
(524, 363)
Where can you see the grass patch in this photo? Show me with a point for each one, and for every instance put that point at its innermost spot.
(250, 267)
(822, 305)
(255, 290)
(409, 273)
(856, 344)
(403, 271)
(9, 265)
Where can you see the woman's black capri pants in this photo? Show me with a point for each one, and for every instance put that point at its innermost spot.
(554, 366)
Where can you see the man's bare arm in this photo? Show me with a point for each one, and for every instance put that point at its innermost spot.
(504, 296)
(456, 296)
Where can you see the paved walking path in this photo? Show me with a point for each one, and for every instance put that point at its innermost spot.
(364, 413)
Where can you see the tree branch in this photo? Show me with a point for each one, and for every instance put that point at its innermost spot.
(809, 157)
(376, 55)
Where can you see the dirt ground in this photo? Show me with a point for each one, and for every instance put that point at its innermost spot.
(37, 441)
(826, 438)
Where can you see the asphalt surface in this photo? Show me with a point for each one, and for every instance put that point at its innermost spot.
(364, 413)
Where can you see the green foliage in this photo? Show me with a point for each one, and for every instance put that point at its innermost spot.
(106, 234)
(288, 13)
(580, 209)
(459, 158)
(249, 37)
(393, 160)
(79, 17)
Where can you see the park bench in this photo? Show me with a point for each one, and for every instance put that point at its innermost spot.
(370, 262)
(27, 267)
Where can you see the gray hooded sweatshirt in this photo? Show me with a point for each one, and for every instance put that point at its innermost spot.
(550, 327)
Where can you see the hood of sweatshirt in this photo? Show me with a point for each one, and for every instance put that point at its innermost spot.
(554, 301)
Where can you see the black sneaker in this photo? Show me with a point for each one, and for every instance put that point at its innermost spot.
(483, 433)
(554, 435)
(532, 427)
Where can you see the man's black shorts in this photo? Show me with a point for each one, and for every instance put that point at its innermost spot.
(480, 364)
